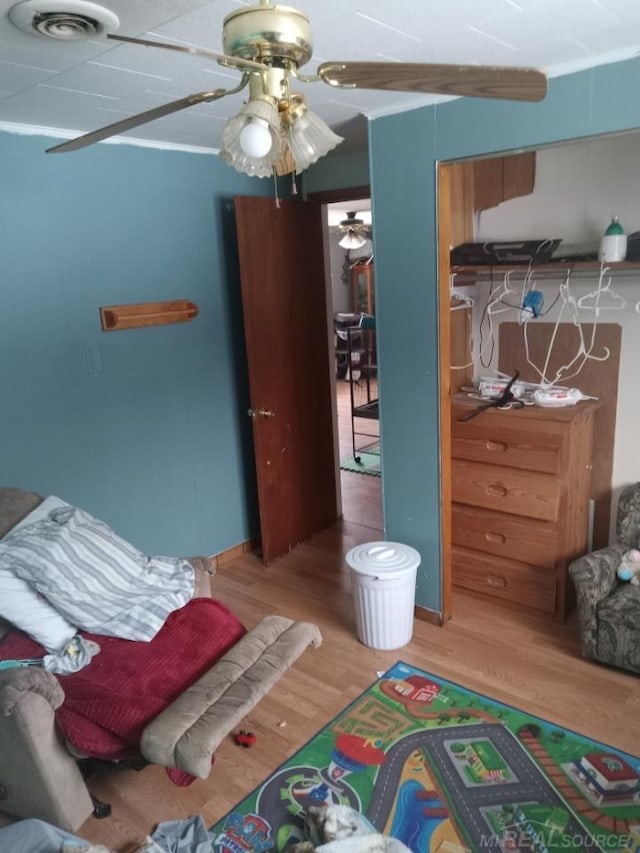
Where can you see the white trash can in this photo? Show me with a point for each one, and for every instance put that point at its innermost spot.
(383, 576)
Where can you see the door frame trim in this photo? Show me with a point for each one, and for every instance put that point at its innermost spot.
(444, 228)
(324, 198)
(443, 225)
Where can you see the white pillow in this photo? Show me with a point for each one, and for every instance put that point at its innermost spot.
(21, 605)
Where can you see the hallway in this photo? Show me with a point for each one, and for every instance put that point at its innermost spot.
(361, 493)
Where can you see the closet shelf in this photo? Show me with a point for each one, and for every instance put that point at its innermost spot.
(553, 270)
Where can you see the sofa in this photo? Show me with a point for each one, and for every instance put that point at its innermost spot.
(608, 608)
(40, 775)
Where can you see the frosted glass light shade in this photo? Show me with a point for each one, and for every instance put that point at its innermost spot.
(238, 139)
(351, 240)
(309, 139)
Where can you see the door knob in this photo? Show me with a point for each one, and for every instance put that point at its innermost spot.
(264, 413)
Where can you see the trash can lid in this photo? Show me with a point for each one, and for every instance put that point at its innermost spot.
(384, 560)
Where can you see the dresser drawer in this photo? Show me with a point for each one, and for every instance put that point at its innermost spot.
(504, 535)
(524, 447)
(505, 579)
(509, 490)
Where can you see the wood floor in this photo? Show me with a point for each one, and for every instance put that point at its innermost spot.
(514, 658)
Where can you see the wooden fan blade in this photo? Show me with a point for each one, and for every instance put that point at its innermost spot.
(475, 81)
(133, 121)
(236, 62)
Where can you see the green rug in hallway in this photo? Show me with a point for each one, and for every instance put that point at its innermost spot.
(367, 461)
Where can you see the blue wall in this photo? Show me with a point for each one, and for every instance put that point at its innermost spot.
(404, 150)
(337, 171)
(147, 428)
(144, 428)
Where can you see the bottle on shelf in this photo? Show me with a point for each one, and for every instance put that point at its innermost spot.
(613, 245)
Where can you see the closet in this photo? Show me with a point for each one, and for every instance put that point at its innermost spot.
(491, 505)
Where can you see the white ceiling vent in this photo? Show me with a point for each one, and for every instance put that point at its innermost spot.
(67, 20)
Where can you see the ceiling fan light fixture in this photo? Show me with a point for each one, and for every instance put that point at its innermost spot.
(252, 141)
(351, 240)
(309, 137)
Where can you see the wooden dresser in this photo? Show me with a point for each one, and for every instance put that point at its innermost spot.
(520, 514)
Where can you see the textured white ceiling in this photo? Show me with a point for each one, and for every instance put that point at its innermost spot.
(77, 86)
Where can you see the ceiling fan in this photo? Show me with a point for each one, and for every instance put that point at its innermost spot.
(275, 131)
(355, 232)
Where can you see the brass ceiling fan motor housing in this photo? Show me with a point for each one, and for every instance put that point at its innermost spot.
(266, 33)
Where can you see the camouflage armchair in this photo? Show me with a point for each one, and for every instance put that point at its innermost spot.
(609, 609)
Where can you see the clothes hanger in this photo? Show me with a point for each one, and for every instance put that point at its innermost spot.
(603, 298)
(584, 352)
(497, 298)
(463, 300)
(585, 348)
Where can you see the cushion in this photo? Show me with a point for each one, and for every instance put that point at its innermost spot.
(21, 605)
(108, 703)
(94, 578)
(42, 510)
(618, 632)
(14, 683)
(14, 505)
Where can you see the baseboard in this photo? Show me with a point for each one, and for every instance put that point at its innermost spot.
(430, 616)
(218, 560)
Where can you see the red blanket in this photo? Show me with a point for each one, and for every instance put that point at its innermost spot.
(109, 702)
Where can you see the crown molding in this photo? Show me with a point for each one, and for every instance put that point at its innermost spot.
(57, 133)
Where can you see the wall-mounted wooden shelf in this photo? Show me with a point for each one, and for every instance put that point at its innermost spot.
(552, 270)
(117, 317)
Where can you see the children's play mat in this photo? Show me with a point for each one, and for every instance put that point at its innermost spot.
(445, 769)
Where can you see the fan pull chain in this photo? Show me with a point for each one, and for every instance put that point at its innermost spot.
(275, 186)
(294, 186)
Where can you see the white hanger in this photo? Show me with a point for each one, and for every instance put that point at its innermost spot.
(567, 300)
(602, 298)
(505, 289)
(463, 300)
(584, 352)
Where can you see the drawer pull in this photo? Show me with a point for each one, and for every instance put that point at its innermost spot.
(495, 580)
(497, 445)
(496, 490)
(495, 537)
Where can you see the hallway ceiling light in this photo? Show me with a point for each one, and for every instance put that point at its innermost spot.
(352, 241)
(355, 232)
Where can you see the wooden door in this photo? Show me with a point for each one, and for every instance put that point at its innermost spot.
(288, 353)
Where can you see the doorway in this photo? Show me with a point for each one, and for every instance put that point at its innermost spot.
(358, 441)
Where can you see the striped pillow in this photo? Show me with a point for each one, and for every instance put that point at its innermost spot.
(94, 578)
